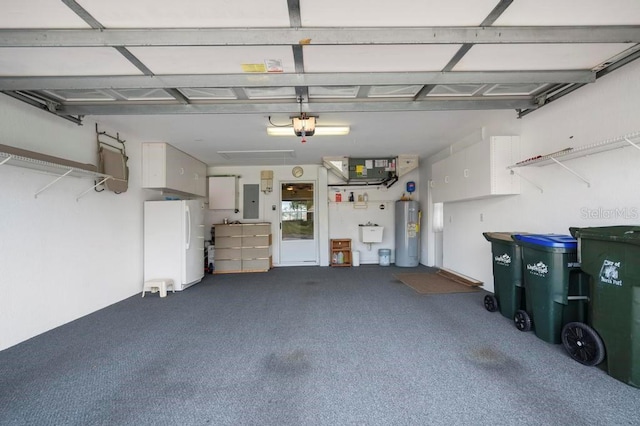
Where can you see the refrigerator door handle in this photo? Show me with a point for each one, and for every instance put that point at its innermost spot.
(188, 219)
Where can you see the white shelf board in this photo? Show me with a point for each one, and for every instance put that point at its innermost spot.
(59, 170)
(45, 166)
(571, 153)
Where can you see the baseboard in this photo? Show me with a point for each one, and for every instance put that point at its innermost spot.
(459, 278)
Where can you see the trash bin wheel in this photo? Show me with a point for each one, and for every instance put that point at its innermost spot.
(522, 320)
(490, 303)
(583, 343)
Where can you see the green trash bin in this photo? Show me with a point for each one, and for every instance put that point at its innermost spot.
(611, 257)
(556, 289)
(508, 286)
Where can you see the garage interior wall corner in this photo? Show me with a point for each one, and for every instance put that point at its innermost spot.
(61, 258)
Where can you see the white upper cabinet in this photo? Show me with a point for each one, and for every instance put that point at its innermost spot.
(168, 169)
(477, 171)
(223, 193)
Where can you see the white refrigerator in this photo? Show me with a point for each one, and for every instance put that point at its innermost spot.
(174, 241)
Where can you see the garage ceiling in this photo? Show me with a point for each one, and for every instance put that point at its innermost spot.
(332, 58)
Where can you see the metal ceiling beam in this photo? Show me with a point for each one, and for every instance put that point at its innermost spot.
(178, 96)
(83, 14)
(315, 36)
(457, 57)
(363, 92)
(135, 61)
(293, 79)
(240, 94)
(488, 21)
(554, 93)
(96, 25)
(295, 21)
(302, 92)
(43, 105)
(426, 89)
(294, 13)
(496, 12)
(634, 53)
(294, 107)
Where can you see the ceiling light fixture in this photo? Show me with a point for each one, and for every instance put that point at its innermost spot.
(304, 125)
(258, 154)
(319, 131)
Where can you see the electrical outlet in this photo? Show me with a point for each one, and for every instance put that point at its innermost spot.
(481, 217)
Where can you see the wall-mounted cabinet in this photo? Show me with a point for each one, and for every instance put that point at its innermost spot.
(477, 171)
(223, 193)
(166, 168)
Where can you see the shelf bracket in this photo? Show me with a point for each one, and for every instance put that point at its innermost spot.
(93, 187)
(631, 143)
(513, 172)
(571, 171)
(5, 160)
(52, 182)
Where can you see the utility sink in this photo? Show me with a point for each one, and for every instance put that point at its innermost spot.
(371, 233)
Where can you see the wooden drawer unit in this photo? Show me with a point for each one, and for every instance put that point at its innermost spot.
(228, 253)
(255, 252)
(256, 265)
(242, 248)
(256, 229)
(227, 266)
(256, 241)
(234, 230)
(228, 242)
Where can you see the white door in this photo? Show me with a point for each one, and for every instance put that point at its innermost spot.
(298, 230)
(193, 263)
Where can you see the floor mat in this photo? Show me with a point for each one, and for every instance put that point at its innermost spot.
(426, 283)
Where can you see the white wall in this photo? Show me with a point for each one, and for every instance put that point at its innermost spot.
(269, 202)
(60, 258)
(336, 220)
(344, 218)
(597, 112)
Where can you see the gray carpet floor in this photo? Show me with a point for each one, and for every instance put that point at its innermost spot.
(303, 346)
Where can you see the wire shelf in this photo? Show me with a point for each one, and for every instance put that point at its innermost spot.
(46, 166)
(58, 170)
(582, 151)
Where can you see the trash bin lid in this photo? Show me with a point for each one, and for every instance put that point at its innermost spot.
(501, 236)
(620, 234)
(549, 240)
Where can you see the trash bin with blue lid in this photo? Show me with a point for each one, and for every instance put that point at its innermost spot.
(556, 289)
(508, 286)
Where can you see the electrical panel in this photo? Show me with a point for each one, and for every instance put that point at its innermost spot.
(372, 169)
(251, 201)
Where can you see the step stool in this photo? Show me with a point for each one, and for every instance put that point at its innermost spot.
(158, 285)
